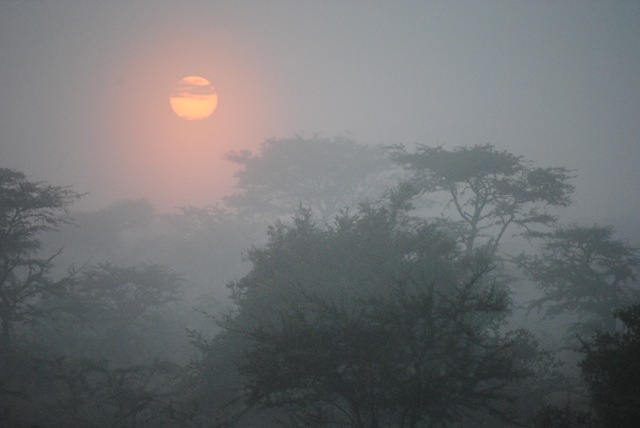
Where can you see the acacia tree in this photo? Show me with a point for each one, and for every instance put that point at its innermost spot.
(325, 174)
(487, 188)
(584, 271)
(27, 209)
(378, 320)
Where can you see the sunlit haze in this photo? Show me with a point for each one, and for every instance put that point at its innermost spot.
(85, 88)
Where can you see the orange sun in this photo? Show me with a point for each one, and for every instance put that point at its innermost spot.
(194, 98)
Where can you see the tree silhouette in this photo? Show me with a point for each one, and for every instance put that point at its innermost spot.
(27, 209)
(379, 320)
(325, 174)
(584, 271)
(487, 188)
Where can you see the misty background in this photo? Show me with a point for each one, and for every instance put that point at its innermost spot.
(298, 191)
(84, 85)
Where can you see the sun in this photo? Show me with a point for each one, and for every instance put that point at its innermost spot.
(193, 98)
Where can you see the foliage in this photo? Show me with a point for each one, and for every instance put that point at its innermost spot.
(117, 313)
(129, 292)
(487, 188)
(611, 368)
(392, 361)
(75, 351)
(377, 320)
(584, 271)
(204, 244)
(84, 350)
(26, 210)
(79, 391)
(322, 173)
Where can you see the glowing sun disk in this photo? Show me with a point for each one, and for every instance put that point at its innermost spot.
(193, 98)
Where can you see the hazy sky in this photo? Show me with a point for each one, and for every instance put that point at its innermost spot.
(84, 87)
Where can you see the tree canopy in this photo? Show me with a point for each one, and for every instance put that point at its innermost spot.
(326, 174)
(487, 188)
(378, 320)
(585, 271)
(26, 210)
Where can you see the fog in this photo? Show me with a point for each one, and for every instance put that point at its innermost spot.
(85, 88)
(204, 261)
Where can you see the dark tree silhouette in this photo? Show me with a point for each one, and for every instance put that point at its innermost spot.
(27, 209)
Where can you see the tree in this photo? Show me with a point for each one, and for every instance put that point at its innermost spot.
(487, 188)
(110, 233)
(322, 173)
(584, 271)
(117, 313)
(77, 391)
(401, 360)
(378, 320)
(27, 209)
(611, 368)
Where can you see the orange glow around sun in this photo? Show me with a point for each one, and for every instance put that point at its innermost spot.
(151, 144)
(194, 98)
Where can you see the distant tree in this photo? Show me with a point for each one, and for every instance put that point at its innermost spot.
(119, 313)
(488, 189)
(325, 174)
(103, 359)
(204, 244)
(130, 292)
(27, 209)
(584, 271)
(611, 368)
(379, 320)
(73, 391)
(111, 233)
